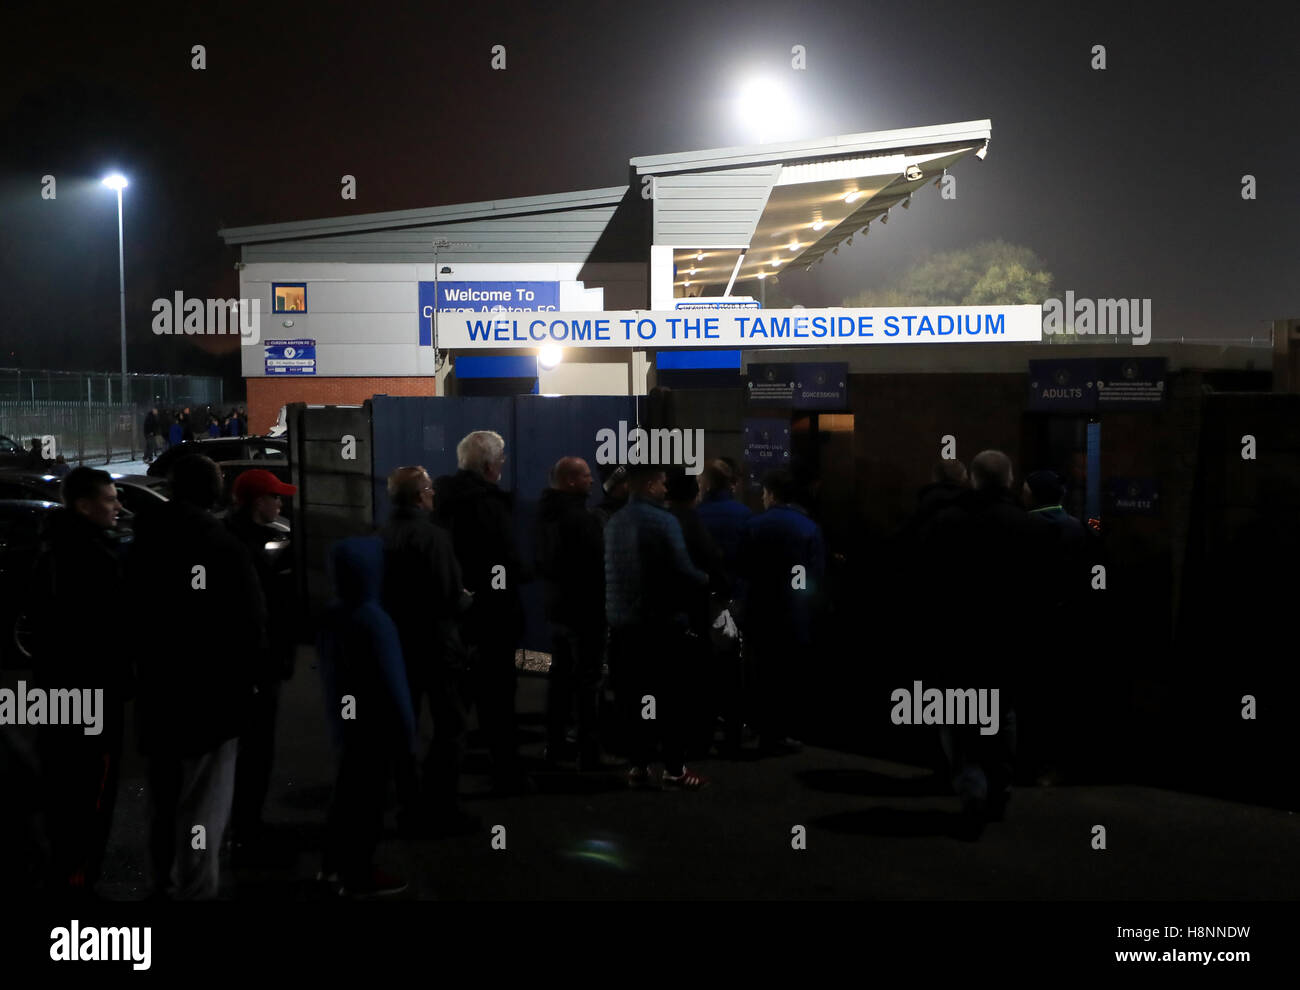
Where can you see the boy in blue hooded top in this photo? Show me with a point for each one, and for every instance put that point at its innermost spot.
(368, 704)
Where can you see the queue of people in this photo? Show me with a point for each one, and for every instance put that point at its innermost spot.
(167, 428)
(702, 613)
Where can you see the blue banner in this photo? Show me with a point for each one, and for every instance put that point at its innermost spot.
(801, 385)
(483, 297)
(290, 357)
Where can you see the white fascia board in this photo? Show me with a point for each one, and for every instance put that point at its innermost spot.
(966, 132)
(871, 166)
(677, 244)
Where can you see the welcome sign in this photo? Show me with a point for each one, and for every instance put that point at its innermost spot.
(763, 328)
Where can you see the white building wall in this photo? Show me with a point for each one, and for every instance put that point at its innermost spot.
(364, 318)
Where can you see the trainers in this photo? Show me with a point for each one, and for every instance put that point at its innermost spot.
(639, 778)
(687, 780)
(378, 884)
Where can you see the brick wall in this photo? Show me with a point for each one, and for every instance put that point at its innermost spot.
(267, 395)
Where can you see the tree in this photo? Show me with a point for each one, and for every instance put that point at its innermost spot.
(986, 274)
(991, 273)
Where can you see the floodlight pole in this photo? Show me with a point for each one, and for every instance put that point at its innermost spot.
(121, 291)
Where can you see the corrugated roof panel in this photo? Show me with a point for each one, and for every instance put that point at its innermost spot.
(709, 210)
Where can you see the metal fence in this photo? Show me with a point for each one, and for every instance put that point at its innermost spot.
(83, 432)
(105, 388)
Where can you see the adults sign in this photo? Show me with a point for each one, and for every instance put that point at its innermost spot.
(765, 328)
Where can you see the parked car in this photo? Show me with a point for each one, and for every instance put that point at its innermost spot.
(139, 494)
(234, 455)
(12, 454)
(22, 523)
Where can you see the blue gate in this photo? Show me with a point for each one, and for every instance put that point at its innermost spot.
(538, 431)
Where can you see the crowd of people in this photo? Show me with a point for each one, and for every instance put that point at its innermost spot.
(205, 701)
(700, 611)
(166, 428)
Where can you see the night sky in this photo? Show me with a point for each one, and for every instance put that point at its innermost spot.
(1126, 182)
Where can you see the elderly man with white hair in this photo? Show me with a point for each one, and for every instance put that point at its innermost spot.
(479, 516)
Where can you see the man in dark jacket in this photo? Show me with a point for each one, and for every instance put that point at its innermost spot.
(988, 554)
(480, 518)
(36, 460)
(903, 564)
(368, 709)
(151, 426)
(76, 593)
(571, 560)
(948, 481)
(424, 592)
(257, 496)
(725, 517)
(705, 701)
(195, 681)
(783, 560)
(1052, 704)
(649, 585)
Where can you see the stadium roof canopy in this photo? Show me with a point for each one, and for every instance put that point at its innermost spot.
(791, 203)
(769, 206)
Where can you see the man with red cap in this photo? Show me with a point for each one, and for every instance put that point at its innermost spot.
(257, 496)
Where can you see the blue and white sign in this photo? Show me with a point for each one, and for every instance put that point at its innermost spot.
(290, 357)
(483, 297)
(767, 447)
(1131, 383)
(740, 328)
(800, 386)
(1066, 383)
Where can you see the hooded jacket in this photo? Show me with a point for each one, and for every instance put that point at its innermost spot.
(361, 653)
(571, 558)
